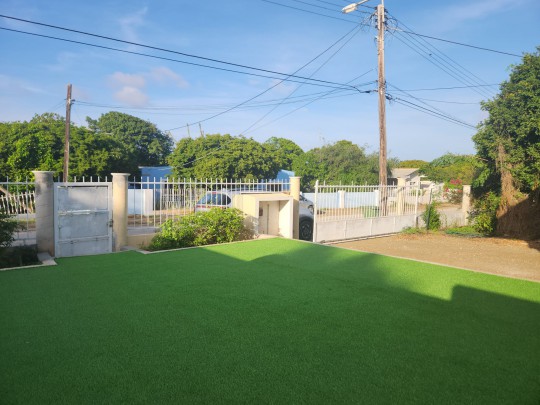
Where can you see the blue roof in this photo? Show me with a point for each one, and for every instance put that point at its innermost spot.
(151, 172)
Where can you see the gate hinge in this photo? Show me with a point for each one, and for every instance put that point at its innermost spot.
(110, 223)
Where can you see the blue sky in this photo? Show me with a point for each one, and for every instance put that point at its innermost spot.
(35, 71)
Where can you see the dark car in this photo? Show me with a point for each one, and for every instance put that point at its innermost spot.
(305, 227)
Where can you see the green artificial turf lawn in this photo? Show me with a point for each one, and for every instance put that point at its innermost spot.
(269, 321)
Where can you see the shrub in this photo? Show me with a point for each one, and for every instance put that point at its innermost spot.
(410, 230)
(18, 256)
(7, 227)
(465, 231)
(484, 213)
(431, 217)
(201, 228)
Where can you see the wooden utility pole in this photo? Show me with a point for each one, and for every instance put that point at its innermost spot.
(383, 175)
(68, 127)
(200, 129)
(188, 132)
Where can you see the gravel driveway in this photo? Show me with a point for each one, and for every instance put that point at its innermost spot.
(506, 257)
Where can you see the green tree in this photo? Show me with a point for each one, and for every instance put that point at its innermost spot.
(222, 156)
(341, 162)
(144, 144)
(410, 164)
(284, 151)
(508, 147)
(508, 141)
(451, 167)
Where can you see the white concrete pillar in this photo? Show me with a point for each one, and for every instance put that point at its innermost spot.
(295, 194)
(120, 209)
(341, 198)
(400, 196)
(44, 211)
(466, 202)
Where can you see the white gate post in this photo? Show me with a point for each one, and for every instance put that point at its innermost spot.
(400, 199)
(466, 202)
(295, 193)
(120, 209)
(44, 211)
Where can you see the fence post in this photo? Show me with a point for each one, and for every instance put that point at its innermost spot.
(295, 193)
(120, 209)
(44, 211)
(400, 199)
(466, 202)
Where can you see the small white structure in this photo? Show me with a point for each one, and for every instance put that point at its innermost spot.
(269, 214)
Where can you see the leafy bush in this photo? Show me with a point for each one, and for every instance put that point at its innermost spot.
(201, 228)
(410, 230)
(453, 191)
(431, 217)
(465, 231)
(7, 227)
(484, 213)
(18, 256)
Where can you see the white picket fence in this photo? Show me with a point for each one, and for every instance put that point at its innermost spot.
(18, 199)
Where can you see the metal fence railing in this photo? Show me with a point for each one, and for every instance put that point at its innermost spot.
(17, 199)
(334, 202)
(153, 201)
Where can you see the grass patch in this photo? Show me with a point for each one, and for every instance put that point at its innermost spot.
(268, 321)
(411, 230)
(464, 231)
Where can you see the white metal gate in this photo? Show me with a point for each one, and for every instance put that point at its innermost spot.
(82, 219)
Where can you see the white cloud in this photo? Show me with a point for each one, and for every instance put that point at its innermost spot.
(129, 87)
(131, 22)
(14, 85)
(120, 79)
(453, 16)
(164, 76)
(132, 96)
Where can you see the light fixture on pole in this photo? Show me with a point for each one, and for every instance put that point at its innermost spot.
(352, 7)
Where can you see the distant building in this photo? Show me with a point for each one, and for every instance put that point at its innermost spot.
(412, 177)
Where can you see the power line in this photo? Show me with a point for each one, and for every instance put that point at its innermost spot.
(312, 74)
(446, 102)
(462, 44)
(270, 88)
(326, 95)
(151, 47)
(431, 112)
(449, 88)
(288, 78)
(404, 31)
(439, 58)
(428, 105)
(311, 12)
(443, 66)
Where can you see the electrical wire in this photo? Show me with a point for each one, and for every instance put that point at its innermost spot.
(431, 112)
(463, 44)
(151, 47)
(444, 67)
(271, 87)
(438, 58)
(353, 34)
(311, 102)
(450, 88)
(330, 47)
(311, 12)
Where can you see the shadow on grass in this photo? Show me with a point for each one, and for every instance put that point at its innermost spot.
(265, 322)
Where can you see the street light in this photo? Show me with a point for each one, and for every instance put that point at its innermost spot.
(352, 7)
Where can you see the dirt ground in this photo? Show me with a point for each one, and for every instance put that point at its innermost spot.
(507, 257)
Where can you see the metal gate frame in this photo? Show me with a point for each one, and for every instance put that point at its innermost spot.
(91, 220)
